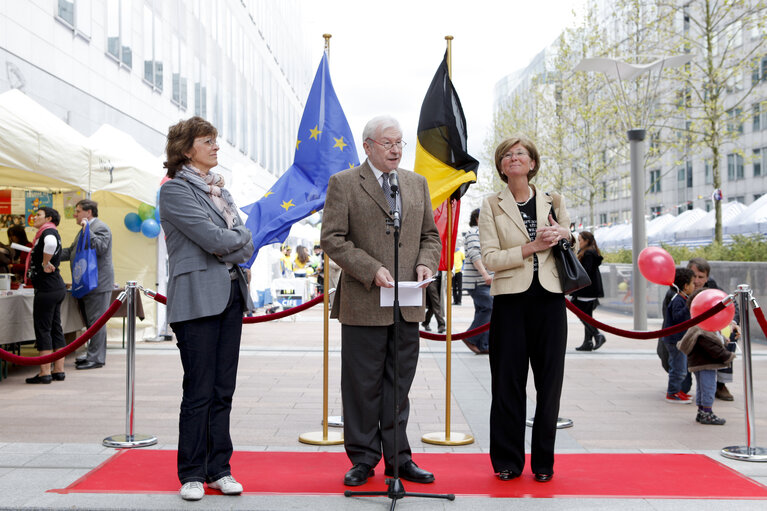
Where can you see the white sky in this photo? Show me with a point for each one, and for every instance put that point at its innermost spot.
(383, 55)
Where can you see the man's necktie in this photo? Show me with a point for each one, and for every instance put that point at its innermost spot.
(387, 192)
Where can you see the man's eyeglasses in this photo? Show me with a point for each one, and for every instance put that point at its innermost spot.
(518, 154)
(389, 145)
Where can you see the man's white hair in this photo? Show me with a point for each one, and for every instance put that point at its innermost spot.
(379, 124)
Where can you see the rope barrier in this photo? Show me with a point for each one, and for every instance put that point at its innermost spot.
(455, 337)
(71, 347)
(633, 334)
(760, 319)
(251, 319)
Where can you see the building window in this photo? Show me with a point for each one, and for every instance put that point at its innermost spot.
(757, 162)
(708, 175)
(734, 167)
(656, 211)
(200, 91)
(757, 196)
(655, 181)
(688, 170)
(756, 117)
(178, 52)
(152, 49)
(739, 198)
(119, 32)
(76, 15)
(734, 121)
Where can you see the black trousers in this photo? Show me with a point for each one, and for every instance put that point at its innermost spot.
(457, 288)
(210, 350)
(526, 328)
(46, 315)
(587, 306)
(367, 390)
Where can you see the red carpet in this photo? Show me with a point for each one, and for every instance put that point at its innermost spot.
(577, 475)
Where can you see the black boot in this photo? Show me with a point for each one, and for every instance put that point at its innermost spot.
(586, 346)
(600, 340)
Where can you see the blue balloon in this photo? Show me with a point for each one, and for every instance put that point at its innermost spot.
(157, 215)
(133, 222)
(150, 228)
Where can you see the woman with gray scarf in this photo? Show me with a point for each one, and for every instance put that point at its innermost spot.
(207, 297)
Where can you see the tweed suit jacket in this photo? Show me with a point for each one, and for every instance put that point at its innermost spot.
(502, 233)
(199, 246)
(354, 235)
(101, 240)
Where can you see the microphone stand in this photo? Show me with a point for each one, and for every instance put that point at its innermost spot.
(396, 490)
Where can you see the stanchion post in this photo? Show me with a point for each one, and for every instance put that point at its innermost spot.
(746, 452)
(129, 439)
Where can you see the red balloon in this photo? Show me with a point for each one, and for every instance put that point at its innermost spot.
(707, 299)
(657, 266)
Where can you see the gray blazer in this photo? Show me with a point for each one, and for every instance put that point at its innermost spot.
(101, 240)
(199, 246)
(354, 236)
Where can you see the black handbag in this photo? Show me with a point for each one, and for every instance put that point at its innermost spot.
(572, 274)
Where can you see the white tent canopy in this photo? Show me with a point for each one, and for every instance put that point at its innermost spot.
(702, 232)
(684, 221)
(752, 220)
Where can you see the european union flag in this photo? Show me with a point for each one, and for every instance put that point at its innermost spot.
(324, 146)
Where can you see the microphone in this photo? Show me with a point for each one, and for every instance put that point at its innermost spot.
(394, 181)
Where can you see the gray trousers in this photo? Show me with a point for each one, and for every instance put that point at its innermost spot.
(93, 306)
(367, 390)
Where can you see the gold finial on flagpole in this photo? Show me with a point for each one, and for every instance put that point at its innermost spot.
(449, 40)
(327, 43)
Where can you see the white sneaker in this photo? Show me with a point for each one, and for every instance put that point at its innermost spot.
(227, 485)
(192, 490)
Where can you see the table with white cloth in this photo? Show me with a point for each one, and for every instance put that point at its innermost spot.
(16, 323)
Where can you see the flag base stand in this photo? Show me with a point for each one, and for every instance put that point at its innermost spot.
(441, 439)
(320, 438)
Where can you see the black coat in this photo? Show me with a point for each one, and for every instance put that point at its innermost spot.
(591, 261)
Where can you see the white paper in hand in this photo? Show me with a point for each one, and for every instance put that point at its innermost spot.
(410, 294)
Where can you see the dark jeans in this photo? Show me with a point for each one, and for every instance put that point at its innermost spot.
(483, 308)
(457, 287)
(210, 349)
(678, 377)
(46, 316)
(587, 306)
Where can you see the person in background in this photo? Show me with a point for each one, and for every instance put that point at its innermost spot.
(476, 281)
(434, 304)
(528, 325)
(458, 259)
(358, 209)
(17, 234)
(286, 262)
(706, 353)
(675, 311)
(94, 304)
(702, 280)
(587, 299)
(302, 263)
(50, 291)
(207, 297)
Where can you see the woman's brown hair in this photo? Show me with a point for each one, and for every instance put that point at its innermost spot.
(180, 140)
(507, 144)
(591, 244)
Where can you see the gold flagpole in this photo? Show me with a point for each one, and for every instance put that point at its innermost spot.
(448, 438)
(324, 437)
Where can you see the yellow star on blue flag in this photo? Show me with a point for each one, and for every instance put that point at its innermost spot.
(326, 147)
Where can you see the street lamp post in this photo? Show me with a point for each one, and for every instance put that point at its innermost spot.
(621, 71)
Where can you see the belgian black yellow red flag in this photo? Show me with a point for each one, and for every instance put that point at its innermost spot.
(441, 155)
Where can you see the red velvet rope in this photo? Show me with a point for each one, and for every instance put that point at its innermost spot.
(633, 334)
(265, 317)
(69, 348)
(455, 337)
(760, 319)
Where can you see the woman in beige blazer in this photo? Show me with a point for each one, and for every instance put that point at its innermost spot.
(528, 323)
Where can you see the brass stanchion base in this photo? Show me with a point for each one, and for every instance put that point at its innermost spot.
(318, 438)
(745, 453)
(440, 438)
(562, 423)
(125, 441)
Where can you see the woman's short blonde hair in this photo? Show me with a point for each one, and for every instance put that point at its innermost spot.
(507, 144)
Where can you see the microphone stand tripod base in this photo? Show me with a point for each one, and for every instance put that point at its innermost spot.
(319, 438)
(439, 438)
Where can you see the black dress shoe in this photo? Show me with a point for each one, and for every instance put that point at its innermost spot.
(599, 340)
(409, 471)
(426, 327)
(586, 346)
(543, 478)
(441, 329)
(59, 376)
(507, 475)
(89, 365)
(81, 362)
(81, 359)
(358, 474)
(40, 378)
